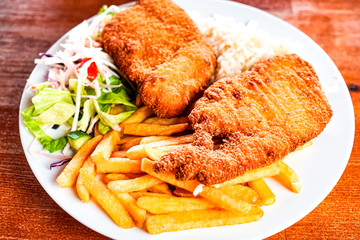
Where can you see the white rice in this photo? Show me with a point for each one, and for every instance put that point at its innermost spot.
(238, 46)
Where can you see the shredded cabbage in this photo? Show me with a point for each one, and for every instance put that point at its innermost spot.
(70, 95)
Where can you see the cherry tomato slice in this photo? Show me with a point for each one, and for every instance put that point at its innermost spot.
(84, 60)
(92, 71)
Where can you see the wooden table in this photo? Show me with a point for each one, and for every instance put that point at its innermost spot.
(32, 26)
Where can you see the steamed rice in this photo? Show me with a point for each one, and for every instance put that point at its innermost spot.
(238, 46)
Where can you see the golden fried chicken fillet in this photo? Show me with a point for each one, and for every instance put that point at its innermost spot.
(156, 44)
(262, 115)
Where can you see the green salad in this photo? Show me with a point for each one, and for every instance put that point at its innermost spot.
(83, 89)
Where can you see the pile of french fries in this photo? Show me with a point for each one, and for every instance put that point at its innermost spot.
(116, 170)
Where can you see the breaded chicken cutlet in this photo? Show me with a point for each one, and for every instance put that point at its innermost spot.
(262, 115)
(157, 45)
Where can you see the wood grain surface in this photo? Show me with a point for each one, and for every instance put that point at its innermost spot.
(32, 26)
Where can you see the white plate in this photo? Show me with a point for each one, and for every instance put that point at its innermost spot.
(319, 166)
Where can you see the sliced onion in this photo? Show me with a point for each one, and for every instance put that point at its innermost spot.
(45, 54)
(60, 163)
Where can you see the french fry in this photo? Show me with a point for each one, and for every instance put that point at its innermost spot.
(243, 193)
(166, 121)
(199, 219)
(151, 139)
(133, 142)
(189, 185)
(161, 205)
(173, 141)
(153, 153)
(104, 149)
(167, 149)
(139, 115)
(288, 178)
(157, 153)
(179, 192)
(225, 201)
(81, 190)
(143, 151)
(214, 195)
(254, 174)
(96, 130)
(133, 188)
(138, 214)
(139, 152)
(135, 175)
(68, 176)
(83, 193)
(118, 154)
(114, 177)
(160, 188)
(144, 129)
(119, 165)
(107, 200)
(267, 196)
(133, 185)
(126, 139)
(140, 194)
(116, 149)
(136, 152)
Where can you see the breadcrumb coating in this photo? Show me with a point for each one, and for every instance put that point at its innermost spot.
(157, 45)
(262, 115)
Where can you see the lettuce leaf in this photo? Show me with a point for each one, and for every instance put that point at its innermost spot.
(59, 113)
(103, 129)
(73, 87)
(122, 91)
(88, 112)
(105, 107)
(109, 99)
(104, 8)
(113, 98)
(109, 119)
(55, 145)
(83, 90)
(34, 128)
(41, 87)
(48, 142)
(47, 97)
